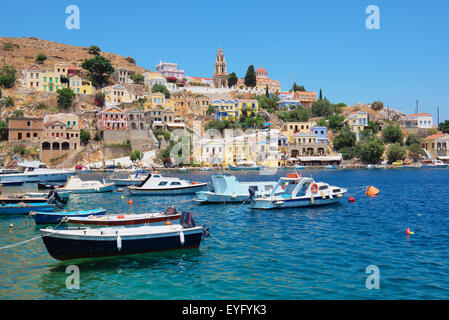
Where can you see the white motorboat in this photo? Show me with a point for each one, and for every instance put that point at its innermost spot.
(132, 180)
(295, 191)
(76, 185)
(35, 171)
(155, 184)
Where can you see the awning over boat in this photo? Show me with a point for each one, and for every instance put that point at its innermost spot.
(443, 157)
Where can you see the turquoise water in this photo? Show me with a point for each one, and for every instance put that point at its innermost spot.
(314, 253)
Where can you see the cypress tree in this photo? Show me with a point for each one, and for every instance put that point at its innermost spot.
(250, 77)
(321, 95)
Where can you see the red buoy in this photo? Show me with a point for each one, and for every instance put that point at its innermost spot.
(131, 201)
(351, 199)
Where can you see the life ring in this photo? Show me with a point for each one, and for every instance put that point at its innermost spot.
(314, 188)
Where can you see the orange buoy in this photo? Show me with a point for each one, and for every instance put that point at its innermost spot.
(119, 190)
(351, 199)
(168, 223)
(408, 231)
(121, 216)
(371, 191)
(131, 201)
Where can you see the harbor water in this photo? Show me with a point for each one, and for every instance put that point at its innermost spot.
(304, 253)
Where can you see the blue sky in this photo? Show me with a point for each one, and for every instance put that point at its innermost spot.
(318, 44)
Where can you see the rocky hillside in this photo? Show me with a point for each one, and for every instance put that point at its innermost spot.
(25, 51)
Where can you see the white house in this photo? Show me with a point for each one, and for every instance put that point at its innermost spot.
(421, 120)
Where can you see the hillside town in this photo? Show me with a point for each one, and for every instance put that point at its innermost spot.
(92, 110)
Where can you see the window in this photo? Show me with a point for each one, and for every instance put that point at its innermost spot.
(163, 183)
(175, 183)
(28, 135)
(29, 123)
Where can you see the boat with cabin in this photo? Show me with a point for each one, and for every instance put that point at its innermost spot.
(227, 188)
(434, 164)
(134, 179)
(77, 186)
(118, 241)
(35, 171)
(156, 184)
(294, 191)
(169, 216)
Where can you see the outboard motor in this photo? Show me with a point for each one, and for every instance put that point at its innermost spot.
(186, 220)
(169, 211)
(54, 198)
(252, 194)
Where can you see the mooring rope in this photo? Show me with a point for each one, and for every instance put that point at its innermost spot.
(214, 237)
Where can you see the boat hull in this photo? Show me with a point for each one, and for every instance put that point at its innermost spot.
(237, 168)
(168, 191)
(69, 247)
(125, 182)
(159, 220)
(210, 197)
(19, 209)
(294, 203)
(50, 177)
(106, 188)
(57, 217)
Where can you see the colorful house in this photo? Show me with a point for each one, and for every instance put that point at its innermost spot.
(357, 121)
(116, 94)
(305, 98)
(421, 120)
(291, 129)
(233, 109)
(51, 81)
(437, 146)
(81, 86)
(112, 118)
(33, 77)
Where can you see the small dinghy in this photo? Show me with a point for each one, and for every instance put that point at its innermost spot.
(119, 241)
(49, 185)
(157, 218)
(76, 185)
(132, 180)
(25, 208)
(57, 217)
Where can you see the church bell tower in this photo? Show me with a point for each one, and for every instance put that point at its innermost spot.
(220, 74)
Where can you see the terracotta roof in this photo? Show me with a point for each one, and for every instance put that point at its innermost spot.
(434, 136)
(419, 114)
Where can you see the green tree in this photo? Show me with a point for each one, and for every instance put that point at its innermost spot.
(412, 139)
(161, 88)
(65, 98)
(99, 100)
(396, 152)
(84, 136)
(250, 77)
(444, 126)
(298, 114)
(270, 104)
(18, 114)
(346, 138)
(137, 78)
(232, 79)
(1, 94)
(377, 105)
(393, 134)
(336, 121)
(210, 110)
(99, 69)
(3, 130)
(41, 58)
(6, 102)
(135, 155)
(94, 50)
(415, 150)
(322, 108)
(321, 95)
(371, 151)
(41, 106)
(297, 88)
(8, 77)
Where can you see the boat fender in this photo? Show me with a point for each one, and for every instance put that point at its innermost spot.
(119, 243)
(331, 196)
(351, 199)
(181, 237)
(312, 200)
(234, 196)
(168, 222)
(322, 195)
(279, 202)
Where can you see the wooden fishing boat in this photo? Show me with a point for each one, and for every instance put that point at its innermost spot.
(119, 241)
(57, 217)
(156, 218)
(25, 208)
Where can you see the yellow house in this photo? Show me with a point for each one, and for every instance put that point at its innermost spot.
(157, 100)
(116, 94)
(51, 82)
(62, 69)
(291, 129)
(81, 86)
(233, 109)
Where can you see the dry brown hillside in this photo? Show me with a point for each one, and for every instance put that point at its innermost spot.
(27, 49)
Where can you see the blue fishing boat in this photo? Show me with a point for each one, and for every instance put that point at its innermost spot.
(25, 208)
(57, 217)
(331, 167)
(226, 188)
(119, 241)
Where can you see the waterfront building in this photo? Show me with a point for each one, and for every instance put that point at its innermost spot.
(81, 86)
(220, 74)
(437, 146)
(421, 120)
(24, 129)
(169, 69)
(291, 129)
